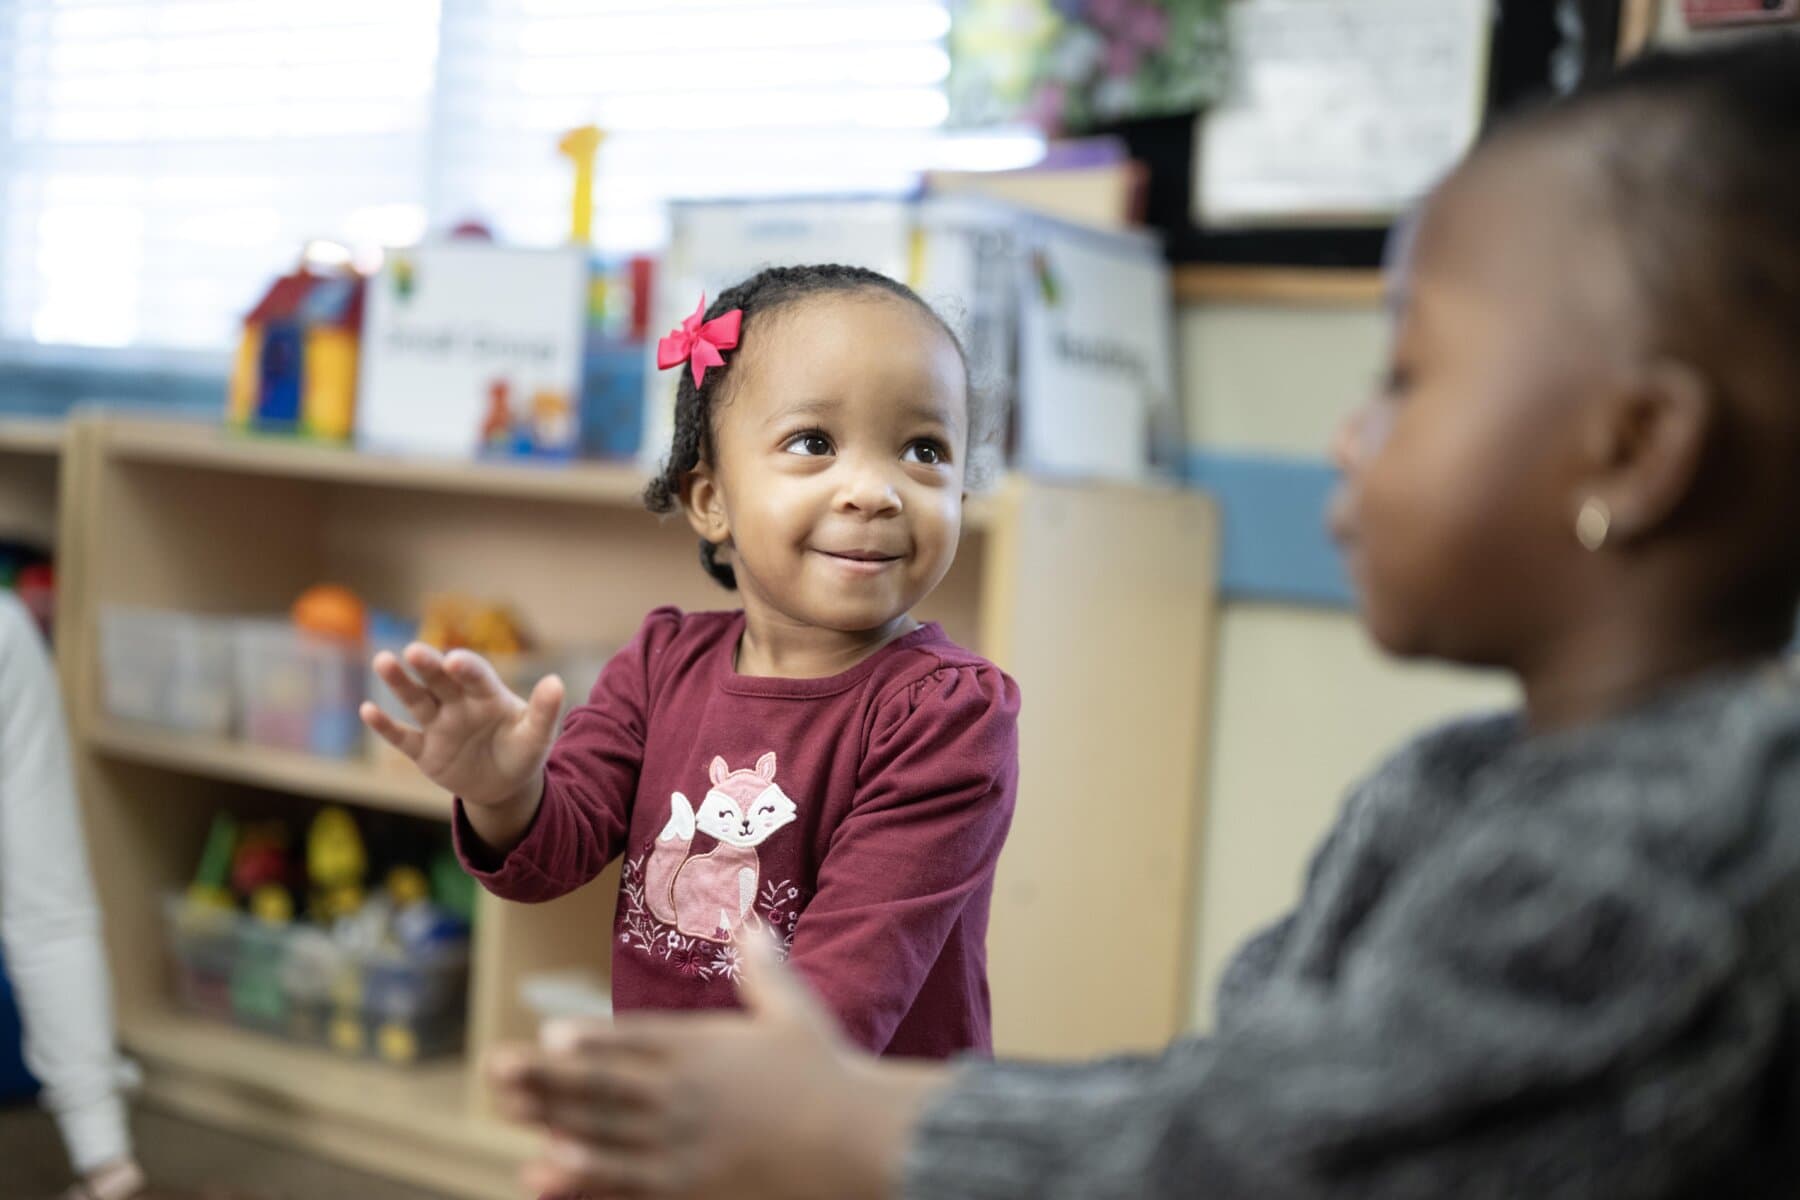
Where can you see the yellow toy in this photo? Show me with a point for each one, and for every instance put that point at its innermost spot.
(272, 905)
(581, 146)
(336, 863)
(456, 623)
(407, 886)
(296, 364)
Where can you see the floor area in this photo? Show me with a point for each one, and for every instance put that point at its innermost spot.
(186, 1161)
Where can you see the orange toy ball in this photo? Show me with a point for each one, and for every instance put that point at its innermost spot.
(331, 611)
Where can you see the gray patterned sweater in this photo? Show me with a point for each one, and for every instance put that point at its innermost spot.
(1565, 966)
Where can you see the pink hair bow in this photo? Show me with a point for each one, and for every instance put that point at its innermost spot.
(698, 344)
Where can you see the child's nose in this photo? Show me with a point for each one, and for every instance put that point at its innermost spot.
(869, 490)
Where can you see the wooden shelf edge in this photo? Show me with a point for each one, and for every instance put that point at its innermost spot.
(1279, 285)
(196, 444)
(30, 435)
(412, 1123)
(280, 770)
(186, 443)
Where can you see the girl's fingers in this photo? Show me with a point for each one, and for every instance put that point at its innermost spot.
(474, 675)
(428, 665)
(419, 702)
(545, 707)
(403, 738)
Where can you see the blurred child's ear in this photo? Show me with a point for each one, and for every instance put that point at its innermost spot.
(704, 505)
(1648, 445)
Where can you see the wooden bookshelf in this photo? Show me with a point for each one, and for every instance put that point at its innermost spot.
(31, 436)
(30, 454)
(415, 1122)
(345, 782)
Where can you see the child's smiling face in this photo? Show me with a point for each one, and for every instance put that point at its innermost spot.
(836, 465)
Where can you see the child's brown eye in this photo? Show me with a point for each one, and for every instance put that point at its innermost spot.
(811, 445)
(929, 454)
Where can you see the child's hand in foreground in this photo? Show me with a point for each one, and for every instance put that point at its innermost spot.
(475, 739)
(769, 1104)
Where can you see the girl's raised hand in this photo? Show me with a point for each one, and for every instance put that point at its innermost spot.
(474, 738)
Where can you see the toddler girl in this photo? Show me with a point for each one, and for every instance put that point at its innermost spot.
(819, 765)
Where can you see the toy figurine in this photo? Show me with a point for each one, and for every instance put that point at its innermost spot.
(336, 864)
(211, 887)
(262, 874)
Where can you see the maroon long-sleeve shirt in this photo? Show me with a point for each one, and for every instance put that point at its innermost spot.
(857, 817)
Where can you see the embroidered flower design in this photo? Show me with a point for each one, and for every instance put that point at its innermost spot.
(776, 911)
(690, 961)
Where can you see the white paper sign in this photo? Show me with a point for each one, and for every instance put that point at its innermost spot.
(457, 332)
(1341, 110)
(1096, 358)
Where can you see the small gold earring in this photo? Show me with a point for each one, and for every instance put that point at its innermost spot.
(1593, 523)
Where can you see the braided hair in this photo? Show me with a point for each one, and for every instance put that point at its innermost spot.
(759, 296)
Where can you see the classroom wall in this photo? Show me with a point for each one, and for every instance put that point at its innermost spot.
(1303, 704)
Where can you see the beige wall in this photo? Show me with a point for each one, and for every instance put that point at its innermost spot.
(1272, 378)
(1303, 705)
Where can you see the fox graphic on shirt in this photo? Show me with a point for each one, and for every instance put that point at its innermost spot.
(710, 895)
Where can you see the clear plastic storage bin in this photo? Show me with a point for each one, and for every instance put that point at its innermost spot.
(299, 692)
(171, 669)
(394, 1004)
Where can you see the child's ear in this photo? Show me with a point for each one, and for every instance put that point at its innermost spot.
(1652, 443)
(704, 505)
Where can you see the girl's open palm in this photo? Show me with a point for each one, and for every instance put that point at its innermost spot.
(474, 738)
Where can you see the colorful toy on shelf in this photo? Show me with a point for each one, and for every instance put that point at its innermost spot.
(407, 886)
(455, 622)
(330, 611)
(211, 888)
(258, 997)
(418, 923)
(614, 357)
(262, 872)
(366, 930)
(552, 422)
(610, 422)
(452, 887)
(581, 146)
(272, 905)
(496, 423)
(382, 973)
(336, 864)
(296, 364)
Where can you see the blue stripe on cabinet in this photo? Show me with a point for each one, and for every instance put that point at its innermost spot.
(1272, 509)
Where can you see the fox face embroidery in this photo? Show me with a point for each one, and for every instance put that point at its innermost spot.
(709, 895)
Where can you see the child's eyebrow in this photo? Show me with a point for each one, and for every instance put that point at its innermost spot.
(928, 414)
(921, 412)
(802, 408)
